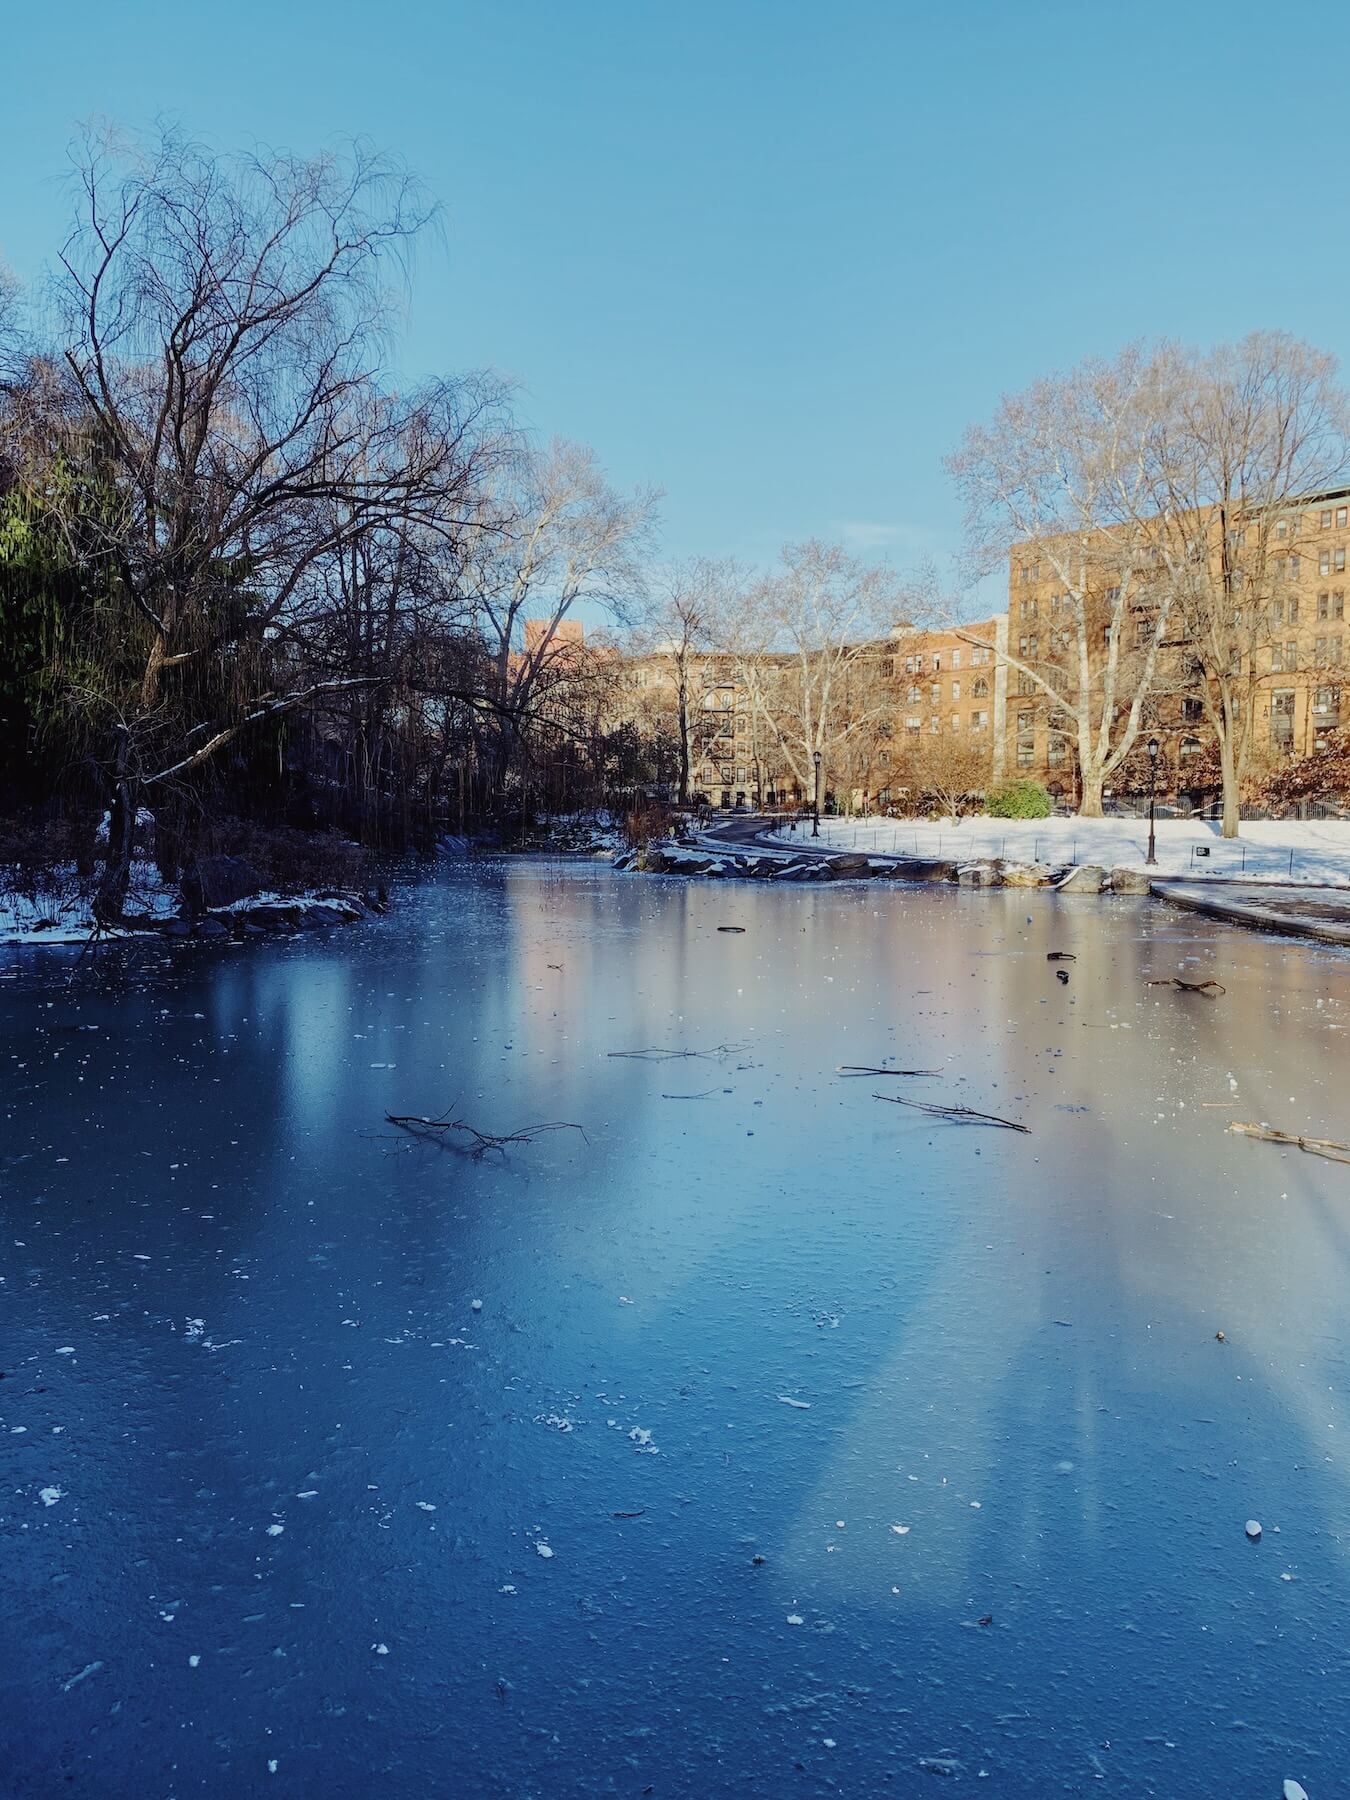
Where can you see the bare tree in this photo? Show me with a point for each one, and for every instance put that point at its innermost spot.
(553, 533)
(1249, 435)
(677, 632)
(806, 642)
(226, 316)
(948, 767)
(1062, 480)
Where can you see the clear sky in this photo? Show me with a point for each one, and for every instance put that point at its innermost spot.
(769, 256)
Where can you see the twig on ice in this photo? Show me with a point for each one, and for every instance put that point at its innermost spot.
(480, 1141)
(959, 1115)
(715, 1054)
(1314, 1146)
(1211, 989)
(859, 1069)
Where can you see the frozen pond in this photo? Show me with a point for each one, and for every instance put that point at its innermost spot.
(273, 1491)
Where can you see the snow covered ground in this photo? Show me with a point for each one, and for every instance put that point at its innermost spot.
(1314, 851)
(58, 912)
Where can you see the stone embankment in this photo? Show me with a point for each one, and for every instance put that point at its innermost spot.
(275, 916)
(704, 860)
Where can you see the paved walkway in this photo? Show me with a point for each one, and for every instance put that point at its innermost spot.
(1300, 911)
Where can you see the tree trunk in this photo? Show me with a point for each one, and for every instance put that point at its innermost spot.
(1232, 804)
(1090, 801)
(110, 900)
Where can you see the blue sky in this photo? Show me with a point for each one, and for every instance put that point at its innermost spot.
(771, 257)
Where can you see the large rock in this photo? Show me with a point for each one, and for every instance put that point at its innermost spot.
(846, 867)
(220, 881)
(1130, 881)
(924, 868)
(1087, 878)
(979, 874)
(1028, 875)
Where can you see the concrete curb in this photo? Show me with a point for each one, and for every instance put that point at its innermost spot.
(1260, 918)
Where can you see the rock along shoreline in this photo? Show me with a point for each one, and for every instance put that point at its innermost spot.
(704, 861)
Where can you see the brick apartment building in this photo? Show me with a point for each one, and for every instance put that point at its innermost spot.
(1299, 655)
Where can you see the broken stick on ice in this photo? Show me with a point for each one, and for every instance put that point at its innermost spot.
(1314, 1146)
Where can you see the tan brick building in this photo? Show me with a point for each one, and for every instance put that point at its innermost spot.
(1297, 666)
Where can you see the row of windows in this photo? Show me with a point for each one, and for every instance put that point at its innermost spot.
(1059, 604)
(979, 690)
(1325, 518)
(916, 664)
(979, 721)
(1327, 653)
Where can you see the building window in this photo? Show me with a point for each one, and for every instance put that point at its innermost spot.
(979, 721)
(956, 690)
(956, 659)
(1293, 568)
(1057, 752)
(888, 666)
(1190, 746)
(1324, 562)
(979, 658)
(909, 665)
(956, 721)
(935, 723)
(1282, 528)
(1282, 718)
(980, 688)
(1325, 520)
(915, 695)
(1192, 709)
(1025, 685)
(912, 727)
(1341, 516)
(1028, 648)
(1338, 560)
(937, 663)
(883, 756)
(935, 694)
(1293, 609)
(1029, 609)
(1327, 700)
(1026, 739)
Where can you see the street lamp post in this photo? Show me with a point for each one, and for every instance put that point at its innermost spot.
(1151, 859)
(817, 759)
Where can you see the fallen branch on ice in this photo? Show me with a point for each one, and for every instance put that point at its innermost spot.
(860, 1069)
(1210, 989)
(959, 1115)
(718, 1051)
(1314, 1146)
(481, 1141)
